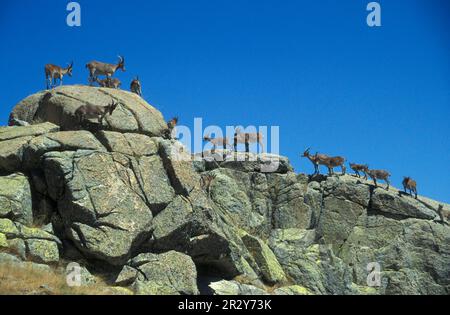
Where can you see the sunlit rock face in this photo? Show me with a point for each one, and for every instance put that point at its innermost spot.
(116, 196)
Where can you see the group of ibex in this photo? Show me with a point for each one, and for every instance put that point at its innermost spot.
(96, 68)
(339, 161)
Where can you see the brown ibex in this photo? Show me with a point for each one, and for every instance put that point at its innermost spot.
(94, 111)
(136, 87)
(410, 184)
(379, 174)
(331, 162)
(112, 83)
(247, 139)
(171, 125)
(53, 73)
(224, 142)
(97, 68)
(360, 168)
(443, 214)
(313, 160)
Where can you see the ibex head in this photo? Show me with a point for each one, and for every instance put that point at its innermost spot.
(306, 153)
(121, 64)
(69, 69)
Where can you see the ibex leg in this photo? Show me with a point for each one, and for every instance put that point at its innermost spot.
(247, 143)
(316, 169)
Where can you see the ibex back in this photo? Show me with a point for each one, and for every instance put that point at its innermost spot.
(97, 68)
(94, 111)
(247, 139)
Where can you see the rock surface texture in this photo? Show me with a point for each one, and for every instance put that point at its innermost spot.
(127, 202)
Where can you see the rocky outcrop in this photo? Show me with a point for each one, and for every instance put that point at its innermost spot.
(58, 107)
(128, 203)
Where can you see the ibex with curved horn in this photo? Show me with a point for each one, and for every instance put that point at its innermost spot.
(53, 73)
(313, 159)
(94, 111)
(97, 68)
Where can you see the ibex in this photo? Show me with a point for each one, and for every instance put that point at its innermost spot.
(53, 73)
(171, 125)
(95, 111)
(360, 168)
(331, 162)
(97, 68)
(135, 86)
(247, 139)
(313, 160)
(443, 214)
(224, 142)
(379, 174)
(112, 83)
(410, 184)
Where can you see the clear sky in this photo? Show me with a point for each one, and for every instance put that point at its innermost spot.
(374, 95)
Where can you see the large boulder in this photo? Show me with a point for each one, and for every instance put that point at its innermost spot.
(160, 274)
(13, 141)
(59, 105)
(101, 212)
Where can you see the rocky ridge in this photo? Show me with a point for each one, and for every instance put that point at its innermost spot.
(125, 202)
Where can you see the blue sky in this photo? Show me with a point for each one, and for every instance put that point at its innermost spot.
(374, 95)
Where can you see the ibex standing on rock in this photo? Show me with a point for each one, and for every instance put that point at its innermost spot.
(443, 214)
(53, 73)
(171, 125)
(313, 160)
(136, 87)
(410, 184)
(379, 174)
(247, 139)
(331, 162)
(360, 168)
(112, 83)
(97, 68)
(224, 142)
(95, 111)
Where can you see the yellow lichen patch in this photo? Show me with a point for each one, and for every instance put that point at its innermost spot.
(3, 241)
